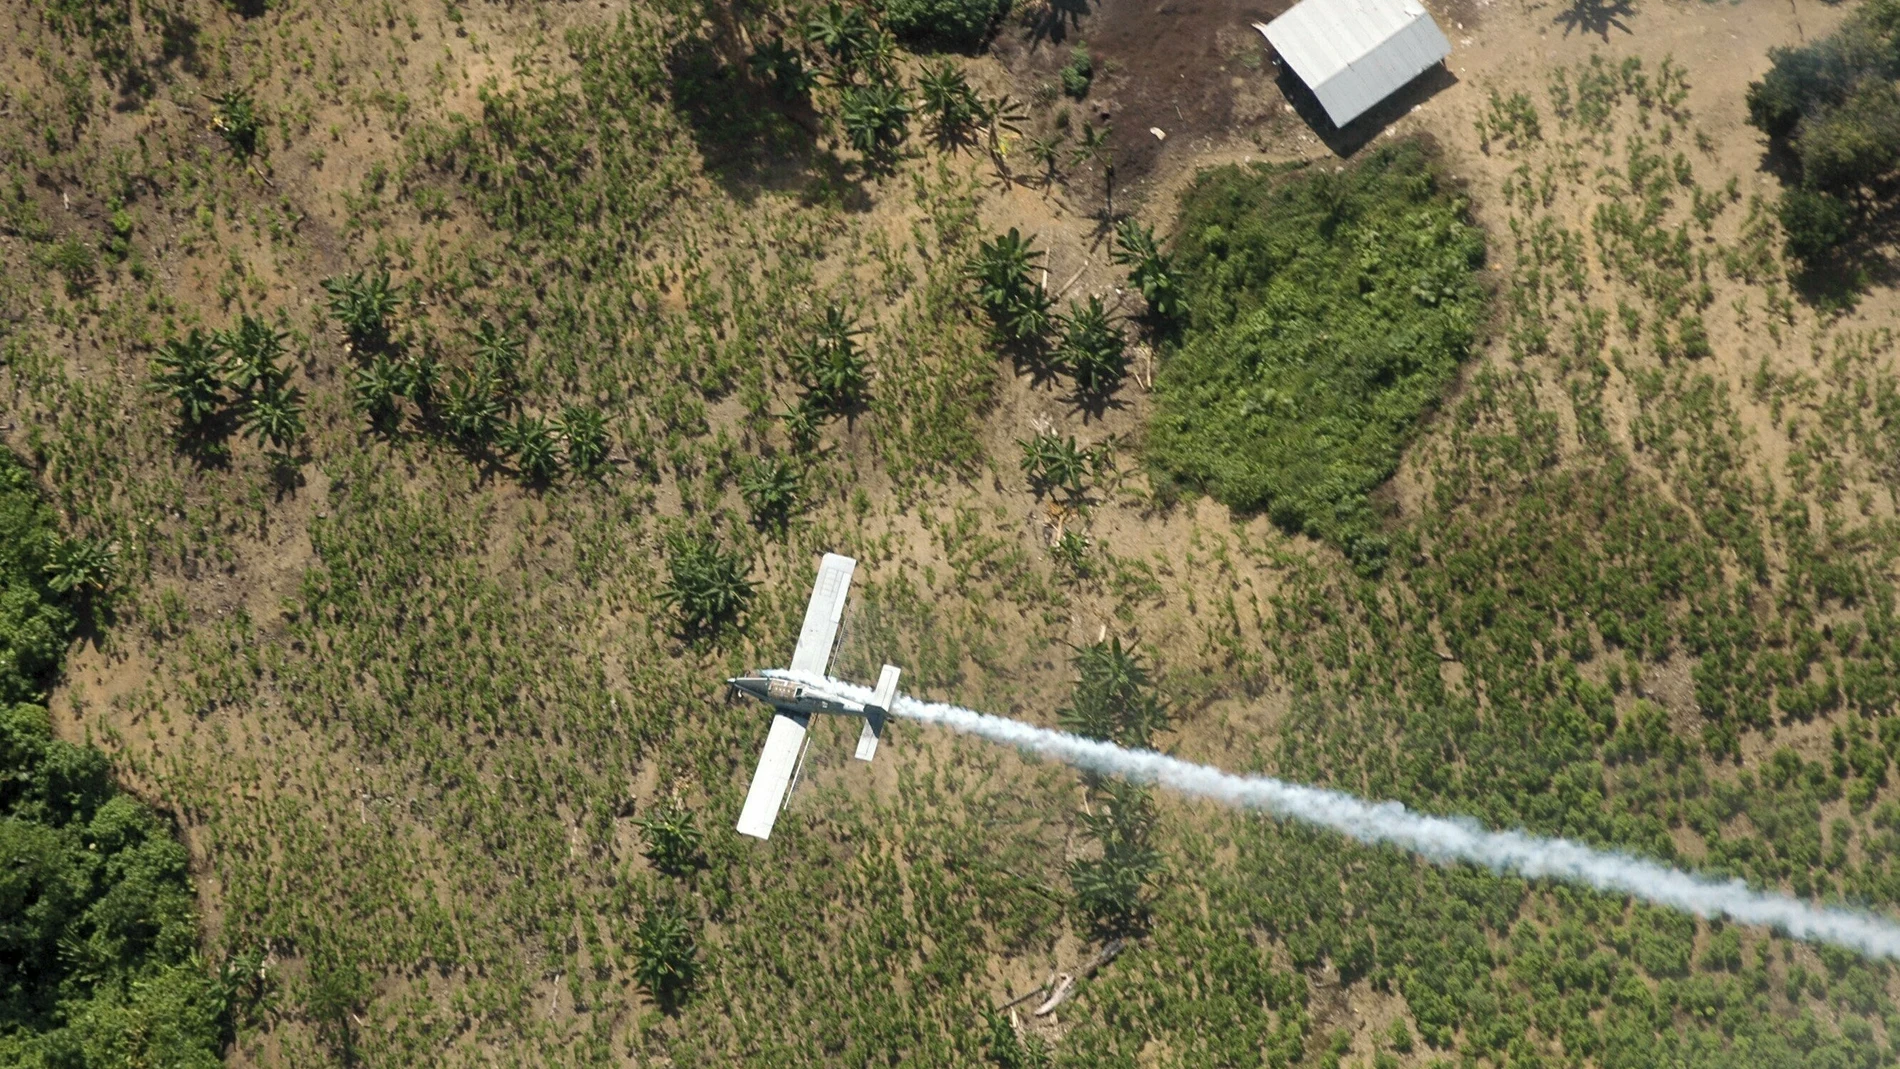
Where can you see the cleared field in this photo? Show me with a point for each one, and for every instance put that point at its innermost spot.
(426, 581)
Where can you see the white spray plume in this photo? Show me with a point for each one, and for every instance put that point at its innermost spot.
(1441, 839)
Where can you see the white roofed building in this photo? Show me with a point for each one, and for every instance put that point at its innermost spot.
(1354, 53)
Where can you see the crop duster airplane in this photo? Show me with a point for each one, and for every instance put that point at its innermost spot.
(794, 701)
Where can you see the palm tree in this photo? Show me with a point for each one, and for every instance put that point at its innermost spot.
(1092, 147)
(672, 837)
(529, 440)
(274, 414)
(1000, 116)
(1017, 305)
(950, 102)
(251, 350)
(497, 355)
(374, 389)
(1051, 461)
(706, 582)
(363, 304)
(771, 488)
(1093, 350)
(876, 118)
(831, 365)
(80, 566)
(841, 31)
(1149, 269)
(783, 68)
(186, 370)
(666, 956)
(471, 412)
(1048, 152)
(584, 432)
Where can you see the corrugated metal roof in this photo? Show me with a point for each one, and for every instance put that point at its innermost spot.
(1354, 53)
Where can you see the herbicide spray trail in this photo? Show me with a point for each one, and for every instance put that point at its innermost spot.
(1440, 839)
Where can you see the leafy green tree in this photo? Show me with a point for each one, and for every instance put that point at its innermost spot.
(772, 487)
(1015, 303)
(876, 118)
(364, 305)
(673, 838)
(35, 620)
(583, 432)
(1149, 269)
(1093, 350)
(1361, 332)
(1817, 222)
(98, 930)
(76, 261)
(188, 370)
(706, 582)
(666, 953)
(1053, 462)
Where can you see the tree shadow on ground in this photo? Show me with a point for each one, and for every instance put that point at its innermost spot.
(1054, 20)
(1596, 17)
(1346, 140)
(752, 142)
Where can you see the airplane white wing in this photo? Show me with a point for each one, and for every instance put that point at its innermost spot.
(822, 614)
(777, 762)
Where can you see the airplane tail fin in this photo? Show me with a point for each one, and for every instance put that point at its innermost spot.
(876, 712)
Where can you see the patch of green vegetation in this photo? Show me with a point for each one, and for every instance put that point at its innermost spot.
(954, 24)
(1831, 104)
(1329, 313)
(1079, 73)
(98, 921)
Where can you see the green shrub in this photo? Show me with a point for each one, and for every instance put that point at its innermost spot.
(706, 582)
(34, 622)
(1816, 222)
(666, 953)
(1093, 350)
(98, 926)
(1329, 312)
(955, 24)
(672, 837)
(1017, 305)
(1078, 73)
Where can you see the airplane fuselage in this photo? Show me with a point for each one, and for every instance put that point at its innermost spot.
(791, 696)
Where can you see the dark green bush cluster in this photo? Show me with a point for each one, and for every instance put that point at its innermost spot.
(98, 926)
(1329, 311)
(954, 24)
(1832, 104)
(477, 408)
